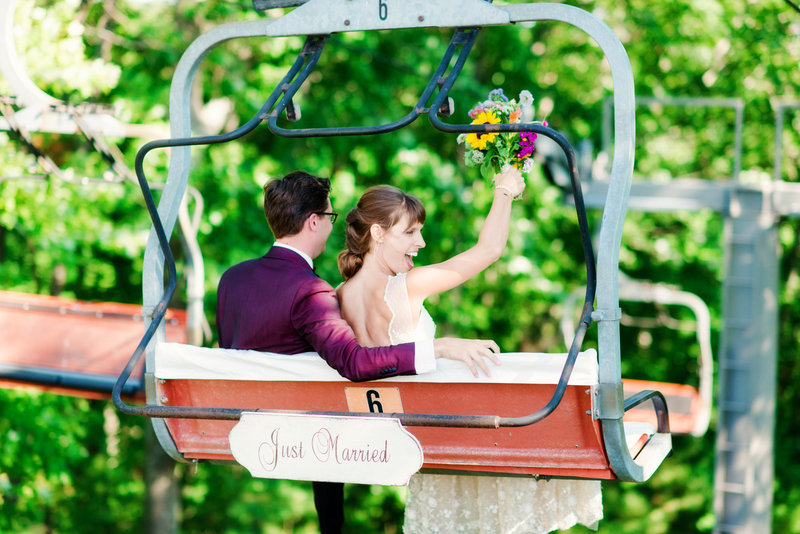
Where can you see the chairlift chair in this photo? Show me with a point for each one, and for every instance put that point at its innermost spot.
(71, 347)
(566, 424)
(78, 348)
(60, 345)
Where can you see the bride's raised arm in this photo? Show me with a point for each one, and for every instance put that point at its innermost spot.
(424, 281)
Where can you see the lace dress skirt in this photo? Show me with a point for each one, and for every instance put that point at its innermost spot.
(484, 504)
(494, 505)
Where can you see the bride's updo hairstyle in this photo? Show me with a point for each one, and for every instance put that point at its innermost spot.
(384, 205)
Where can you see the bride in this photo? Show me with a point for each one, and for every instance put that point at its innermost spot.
(382, 299)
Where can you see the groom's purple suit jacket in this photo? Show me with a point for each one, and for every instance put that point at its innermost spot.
(277, 304)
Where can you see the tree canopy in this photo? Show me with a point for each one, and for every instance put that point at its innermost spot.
(75, 465)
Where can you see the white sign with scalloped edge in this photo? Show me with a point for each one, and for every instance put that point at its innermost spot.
(326, 448)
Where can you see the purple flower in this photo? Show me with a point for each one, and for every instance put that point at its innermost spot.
(526, 147)
(497, 95)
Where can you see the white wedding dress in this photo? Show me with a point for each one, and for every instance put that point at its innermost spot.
(484, 504)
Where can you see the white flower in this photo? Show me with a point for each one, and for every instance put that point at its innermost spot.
(461, 138)
(527, 165)
(477, 157)
(526, 106)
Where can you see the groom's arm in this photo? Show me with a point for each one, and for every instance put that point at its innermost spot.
(316, 316)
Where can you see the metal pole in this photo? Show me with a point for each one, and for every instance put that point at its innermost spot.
(744, 469)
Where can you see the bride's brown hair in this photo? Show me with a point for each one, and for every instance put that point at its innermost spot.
(383, 205)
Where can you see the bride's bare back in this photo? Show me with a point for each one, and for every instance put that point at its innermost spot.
(363, 307)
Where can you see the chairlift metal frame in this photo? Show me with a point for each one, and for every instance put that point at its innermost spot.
(118, 173)
(317, 20)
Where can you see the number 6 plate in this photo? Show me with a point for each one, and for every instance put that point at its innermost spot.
(374, 400)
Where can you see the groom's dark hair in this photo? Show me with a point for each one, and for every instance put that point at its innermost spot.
(289, 201)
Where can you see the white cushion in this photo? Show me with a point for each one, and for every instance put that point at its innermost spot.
(178, 361)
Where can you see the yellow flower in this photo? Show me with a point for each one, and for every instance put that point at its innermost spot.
(479, 141)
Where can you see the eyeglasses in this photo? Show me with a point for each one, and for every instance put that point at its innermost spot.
(332, 214)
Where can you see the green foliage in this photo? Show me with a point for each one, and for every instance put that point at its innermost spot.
(66, 466)
(64, 457)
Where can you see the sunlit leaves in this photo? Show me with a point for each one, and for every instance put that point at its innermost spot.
(127, 56)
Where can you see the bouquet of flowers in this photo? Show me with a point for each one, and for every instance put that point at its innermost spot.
(493, 151)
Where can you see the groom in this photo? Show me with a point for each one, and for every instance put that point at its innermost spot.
(277, 304)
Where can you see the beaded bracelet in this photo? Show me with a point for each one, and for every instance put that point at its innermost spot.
(506, 188)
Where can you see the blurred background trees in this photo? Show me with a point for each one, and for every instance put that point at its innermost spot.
(73, 465)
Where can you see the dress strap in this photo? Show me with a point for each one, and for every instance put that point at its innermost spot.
(401, 325)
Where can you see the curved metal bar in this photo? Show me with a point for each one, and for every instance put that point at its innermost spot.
(408, 419)
(189, 225)
(461, 37)
(583, 224)
(314, 48)
(659, 405)
(490, 421)
(467, 38)
(610, 237)
(11, 67)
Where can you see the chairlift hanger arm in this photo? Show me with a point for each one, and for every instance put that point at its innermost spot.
(113, 157)
(24, 138)
(461, 38)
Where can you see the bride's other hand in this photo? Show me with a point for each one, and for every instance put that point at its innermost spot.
(510, 180)
(470, 351)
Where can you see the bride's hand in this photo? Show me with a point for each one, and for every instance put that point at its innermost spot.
(470, 351)
(510, 180)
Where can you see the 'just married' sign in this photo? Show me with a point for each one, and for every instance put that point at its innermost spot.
(361, 450)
